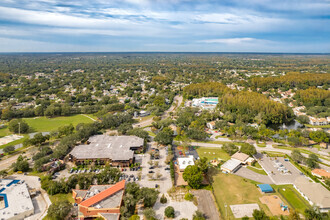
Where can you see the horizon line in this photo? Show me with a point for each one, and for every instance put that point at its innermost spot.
(169, 52)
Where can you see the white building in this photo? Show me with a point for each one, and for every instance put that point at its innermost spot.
(211, 125)
(15, 200)
(231, 166)
(183, 162)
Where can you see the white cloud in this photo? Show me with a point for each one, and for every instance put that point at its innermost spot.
(230, 40)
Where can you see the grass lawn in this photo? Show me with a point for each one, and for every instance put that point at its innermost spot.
(212, 153)
(41, 124)
(292, 197)
(317, 126)
(260, 170)
(261, 145)
(61, 197)
(230, 189)
(4, 131)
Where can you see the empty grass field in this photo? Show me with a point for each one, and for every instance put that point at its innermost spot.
(41, 124)
(230, 189)
(212, 153)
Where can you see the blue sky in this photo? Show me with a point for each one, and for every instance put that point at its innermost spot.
(301, 26)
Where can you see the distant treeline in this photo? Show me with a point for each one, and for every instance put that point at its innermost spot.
(313, 97)
(292, 80)
(205, 89)
(248, 105)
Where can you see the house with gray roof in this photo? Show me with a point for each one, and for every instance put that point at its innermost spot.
(101, 149)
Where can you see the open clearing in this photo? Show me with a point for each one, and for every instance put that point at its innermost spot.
(40, 124)
(212, 153)
(230, 189)
(274, 204)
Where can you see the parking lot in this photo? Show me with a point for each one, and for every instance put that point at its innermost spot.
(279, 170)
(163, 183)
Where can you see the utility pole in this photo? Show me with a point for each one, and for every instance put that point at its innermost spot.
(226, 210)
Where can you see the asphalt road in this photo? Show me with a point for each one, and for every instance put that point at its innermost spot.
(177, 99)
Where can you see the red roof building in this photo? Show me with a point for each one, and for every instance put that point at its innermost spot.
(100, 201)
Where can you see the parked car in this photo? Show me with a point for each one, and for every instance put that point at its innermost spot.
(151, 168)
(167, 168)
(151, 171)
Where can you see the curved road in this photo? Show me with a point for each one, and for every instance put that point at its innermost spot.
(268, 147)
(176, 102)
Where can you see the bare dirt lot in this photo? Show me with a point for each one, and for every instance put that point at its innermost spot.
(206, 204)
(274, 204)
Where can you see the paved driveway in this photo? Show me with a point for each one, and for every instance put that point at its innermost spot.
(249, 174)
(206, 204)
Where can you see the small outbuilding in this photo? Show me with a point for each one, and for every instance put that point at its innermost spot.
(265, 188)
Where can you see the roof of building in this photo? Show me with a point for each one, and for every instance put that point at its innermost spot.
(16, 198)
(185, 161)
(111, 197)
(104, 146)
(319, 195)
(265, 188)
(240, 156)
(321, 172)
(231, 164)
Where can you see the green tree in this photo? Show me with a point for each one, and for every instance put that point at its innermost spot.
(319, 136)
(65, 130)
(297, 156)
(193, 176)
(149, 214)
(294, 215)
(230, 148)
(313, 213)
(8, 149)
(202, 164)
(18, 126)
(134, 217)
(169, 212)
(163, 199)
(313, 157)
(124, 128)
(165, 136)
(149, 196)
(21, 164)
(259, 215)
(311, 163)
(327, 181)
(59, 210)
(248, 149)
(198, 215)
